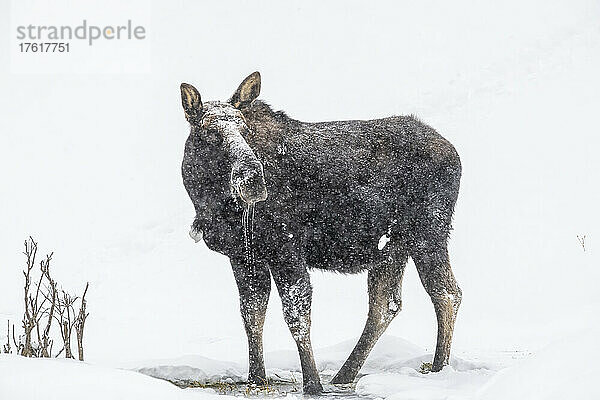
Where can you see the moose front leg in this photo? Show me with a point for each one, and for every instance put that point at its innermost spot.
(254, 285)
(293, 284)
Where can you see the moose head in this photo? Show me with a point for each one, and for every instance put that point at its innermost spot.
(217, 148)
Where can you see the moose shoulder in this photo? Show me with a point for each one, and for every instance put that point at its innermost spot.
(345, 196)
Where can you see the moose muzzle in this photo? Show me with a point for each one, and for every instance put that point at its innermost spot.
(248, 180)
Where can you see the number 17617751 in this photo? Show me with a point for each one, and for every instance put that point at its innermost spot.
(44, 47)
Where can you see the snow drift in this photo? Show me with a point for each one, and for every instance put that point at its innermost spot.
(61, 379)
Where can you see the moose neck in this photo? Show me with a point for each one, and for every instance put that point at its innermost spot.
(268, 127)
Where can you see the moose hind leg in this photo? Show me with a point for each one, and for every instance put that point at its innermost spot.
(295, 291)
(254, 285)
(384, 285)
(433, 265)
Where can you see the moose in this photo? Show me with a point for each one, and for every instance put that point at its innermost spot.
(280, 197)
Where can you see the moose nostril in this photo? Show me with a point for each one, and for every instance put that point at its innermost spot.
(247, 181)
(252, 188)
(252, 192)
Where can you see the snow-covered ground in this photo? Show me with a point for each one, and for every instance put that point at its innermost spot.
(392, 355)
(90, 168)
(566, 369)
(33, 379)
(392, 369)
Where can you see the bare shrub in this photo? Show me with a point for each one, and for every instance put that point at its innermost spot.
(80, 323)
(44, 303)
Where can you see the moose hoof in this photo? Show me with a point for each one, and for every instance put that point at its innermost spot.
(312, 388)
(257, 380)
(437, 367)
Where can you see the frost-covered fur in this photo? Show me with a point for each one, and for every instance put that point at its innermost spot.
(343, 196)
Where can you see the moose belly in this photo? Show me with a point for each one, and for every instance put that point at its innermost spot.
(343, 245)
(333, 256)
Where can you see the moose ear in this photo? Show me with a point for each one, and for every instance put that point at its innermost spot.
(190, 99)
(248, 90)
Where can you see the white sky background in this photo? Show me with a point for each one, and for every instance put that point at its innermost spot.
(90, 165)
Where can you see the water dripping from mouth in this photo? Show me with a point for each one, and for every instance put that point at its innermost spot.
(248, 229)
